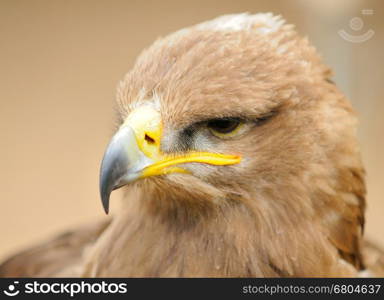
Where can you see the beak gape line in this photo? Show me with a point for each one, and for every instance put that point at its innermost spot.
(134, 153)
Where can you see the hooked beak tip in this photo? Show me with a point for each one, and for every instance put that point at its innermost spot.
(105, 201)
(116, 164)
(106, 187)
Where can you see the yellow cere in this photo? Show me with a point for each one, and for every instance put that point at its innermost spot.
(146, 123)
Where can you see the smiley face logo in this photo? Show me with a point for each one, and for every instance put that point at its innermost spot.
(357, 24)
(12, 291)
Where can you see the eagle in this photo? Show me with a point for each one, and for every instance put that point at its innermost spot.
(238, 157)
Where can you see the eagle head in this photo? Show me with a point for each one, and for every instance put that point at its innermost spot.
(237, 119)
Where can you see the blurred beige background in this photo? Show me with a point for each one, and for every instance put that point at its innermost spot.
(60, 61)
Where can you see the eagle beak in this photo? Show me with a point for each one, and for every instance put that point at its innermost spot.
(134, 153)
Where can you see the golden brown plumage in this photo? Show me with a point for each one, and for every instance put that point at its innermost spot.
(293, 206)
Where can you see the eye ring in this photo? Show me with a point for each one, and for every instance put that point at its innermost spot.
(224, 127)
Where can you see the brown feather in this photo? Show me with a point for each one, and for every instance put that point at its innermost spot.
(58, 257)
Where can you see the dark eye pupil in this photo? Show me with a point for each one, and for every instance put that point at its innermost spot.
(223, 125)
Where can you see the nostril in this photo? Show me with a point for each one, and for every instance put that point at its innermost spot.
(149, 139)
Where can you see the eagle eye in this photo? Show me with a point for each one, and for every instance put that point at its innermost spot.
(225, 127)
